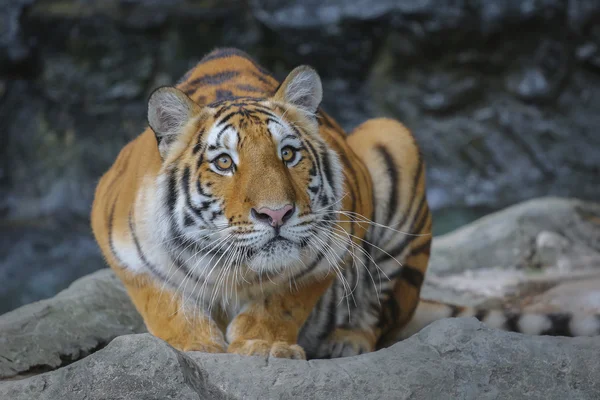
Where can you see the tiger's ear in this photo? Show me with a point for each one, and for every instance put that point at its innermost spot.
(302, 88)
(169, 110)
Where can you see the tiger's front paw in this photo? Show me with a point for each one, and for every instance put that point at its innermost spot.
(257, 347)
(348, 343)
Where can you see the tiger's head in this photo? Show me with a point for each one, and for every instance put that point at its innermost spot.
(247, 181)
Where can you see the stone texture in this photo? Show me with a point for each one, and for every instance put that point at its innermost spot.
(51, 333)
(455, 358)
(517, 253)
(511, 237)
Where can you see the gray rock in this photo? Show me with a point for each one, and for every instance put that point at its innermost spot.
(509, 238)
(51, 333)
(454, 358)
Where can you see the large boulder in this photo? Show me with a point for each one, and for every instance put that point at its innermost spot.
(454, 358)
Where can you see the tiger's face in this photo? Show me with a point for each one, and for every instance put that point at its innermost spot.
(247, 181)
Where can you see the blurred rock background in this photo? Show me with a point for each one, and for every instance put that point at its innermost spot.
(502, 95)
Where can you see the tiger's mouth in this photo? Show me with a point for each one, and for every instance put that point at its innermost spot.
(275, 255)
(277, 243)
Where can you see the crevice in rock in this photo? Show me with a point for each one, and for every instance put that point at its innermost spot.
(65, 359)
(197, 380)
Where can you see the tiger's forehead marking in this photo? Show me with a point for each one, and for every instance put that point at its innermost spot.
(235, 118)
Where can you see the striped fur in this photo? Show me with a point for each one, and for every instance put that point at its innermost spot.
(176, 218)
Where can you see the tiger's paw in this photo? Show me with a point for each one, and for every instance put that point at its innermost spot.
(257, 347)
(347, 343)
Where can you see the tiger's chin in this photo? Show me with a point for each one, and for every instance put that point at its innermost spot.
(279, 256)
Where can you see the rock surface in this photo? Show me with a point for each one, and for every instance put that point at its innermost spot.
(51, 333)
(457, 358)
(481, 98)
(518, 252)
(537, 233)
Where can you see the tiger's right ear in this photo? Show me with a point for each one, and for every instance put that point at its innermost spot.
(169, 110)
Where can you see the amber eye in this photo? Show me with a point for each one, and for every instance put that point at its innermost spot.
(223, 162)
(288, 154)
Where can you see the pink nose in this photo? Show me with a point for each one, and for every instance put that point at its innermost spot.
(275, 218)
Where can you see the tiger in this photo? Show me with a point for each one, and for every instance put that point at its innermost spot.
(245, 220)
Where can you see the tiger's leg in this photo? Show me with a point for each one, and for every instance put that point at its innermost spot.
(397, 243)
(270, 327)
(166, 318)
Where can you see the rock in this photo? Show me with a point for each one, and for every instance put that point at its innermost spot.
(542, 81)
(14, 47)
(507, 238)
(51, 333)
(454, 358)
(516, 253)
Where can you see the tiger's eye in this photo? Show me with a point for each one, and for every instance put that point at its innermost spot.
(224, 162)
(287, 154)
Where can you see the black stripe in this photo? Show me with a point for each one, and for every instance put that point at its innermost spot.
(188, 220)
(396, 251)
(390, 313)
(198, 146)
(512, 322)
(559, 325)
(200, 189)
(392, 170)
(222, 94)
(228, 117)
(480, 314)
(221, 132)
(367, 273)
(214, 79)
(185, 184)
(172, 191)
(422, 248)
(315, 159)
(264, 111)
(455, 310)
(200, 161)
(331, 313)
(264, 80)
(327, 170)
(413, 195)
(409, 274)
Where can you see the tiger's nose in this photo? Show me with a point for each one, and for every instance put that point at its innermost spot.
(275, 218)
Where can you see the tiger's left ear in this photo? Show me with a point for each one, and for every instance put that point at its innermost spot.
(169, 110)
(302, 88)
